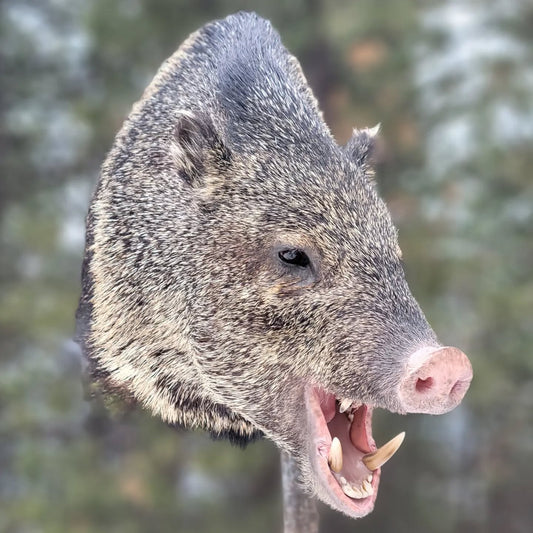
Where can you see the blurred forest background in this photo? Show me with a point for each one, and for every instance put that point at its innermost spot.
(451, 83)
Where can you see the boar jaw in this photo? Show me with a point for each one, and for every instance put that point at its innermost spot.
(352, 490)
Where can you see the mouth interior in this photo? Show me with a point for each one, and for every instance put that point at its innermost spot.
(350, 484)
(351, 429)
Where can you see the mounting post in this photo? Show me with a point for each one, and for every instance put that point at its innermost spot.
(299, 510)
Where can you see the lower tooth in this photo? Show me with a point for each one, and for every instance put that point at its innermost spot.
(357, 493)
(367, 487)
(352, 492)
(360, 491)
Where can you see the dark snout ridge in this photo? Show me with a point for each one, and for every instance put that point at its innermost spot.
(435, 380)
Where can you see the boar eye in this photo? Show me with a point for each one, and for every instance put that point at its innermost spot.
(293, 256)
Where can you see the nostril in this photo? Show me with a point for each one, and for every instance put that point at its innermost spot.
(458, 388)
(435, 380)
(424, 385)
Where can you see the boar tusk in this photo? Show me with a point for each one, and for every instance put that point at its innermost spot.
(335, 455)
(378, 458)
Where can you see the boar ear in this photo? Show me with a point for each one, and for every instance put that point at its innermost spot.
(197, 147)
(360, 148)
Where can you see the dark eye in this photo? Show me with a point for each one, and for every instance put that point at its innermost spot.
(295, 257)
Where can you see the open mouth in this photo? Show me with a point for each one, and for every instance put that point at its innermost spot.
(344, 453)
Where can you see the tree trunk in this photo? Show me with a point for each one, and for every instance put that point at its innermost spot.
(299, 510)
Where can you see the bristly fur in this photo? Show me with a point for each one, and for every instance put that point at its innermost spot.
(224, 162)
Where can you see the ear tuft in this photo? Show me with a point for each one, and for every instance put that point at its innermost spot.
(361, 146)
(195, 144)
(374, 131)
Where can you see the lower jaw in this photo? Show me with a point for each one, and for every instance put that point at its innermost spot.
(322, 422)
(330, 492)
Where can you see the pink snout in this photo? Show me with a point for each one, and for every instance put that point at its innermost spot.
(435, 380)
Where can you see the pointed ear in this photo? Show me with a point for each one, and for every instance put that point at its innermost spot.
(196, 147)
(361, 145)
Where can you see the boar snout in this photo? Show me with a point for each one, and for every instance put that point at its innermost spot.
(435, 380)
